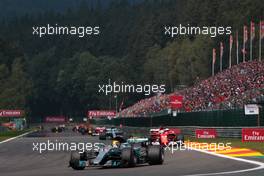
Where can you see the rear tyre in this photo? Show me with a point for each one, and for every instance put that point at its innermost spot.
(74, 129)
(75, 161)
(59, 130)
(53, 130)
(128, 158)
(83, 131)
(155, 155)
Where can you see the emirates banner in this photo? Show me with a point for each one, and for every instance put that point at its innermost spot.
(55, 119)
(253, 135)
(101, 113)
(11, 113)
(205, 133)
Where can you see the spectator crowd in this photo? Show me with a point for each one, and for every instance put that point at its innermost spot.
(229, 89)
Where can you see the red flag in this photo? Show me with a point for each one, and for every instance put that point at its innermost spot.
(252, 30)
(244, 51)
(121, 105)
(230, 50)
(214, 55)
(245, 34)
(261, 25)
(230, 41)
(221, 55)
(221, 49)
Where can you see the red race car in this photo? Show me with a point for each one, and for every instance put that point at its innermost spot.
(98, 130)
(83, 129)
(166, 136)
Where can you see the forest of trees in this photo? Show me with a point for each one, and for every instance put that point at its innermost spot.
(60, 75)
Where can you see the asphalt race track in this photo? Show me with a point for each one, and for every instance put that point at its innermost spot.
(17, 158)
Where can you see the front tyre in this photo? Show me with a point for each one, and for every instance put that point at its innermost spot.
(128, 158)
(75, 161)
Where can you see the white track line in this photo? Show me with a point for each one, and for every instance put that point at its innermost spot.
(10, 139)
(260, 165)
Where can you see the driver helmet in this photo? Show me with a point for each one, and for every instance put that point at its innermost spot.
(115, 143)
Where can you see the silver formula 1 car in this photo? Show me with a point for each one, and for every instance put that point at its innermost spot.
(130, 153)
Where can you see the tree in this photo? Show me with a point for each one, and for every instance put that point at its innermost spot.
(17, 87)
(193, 60)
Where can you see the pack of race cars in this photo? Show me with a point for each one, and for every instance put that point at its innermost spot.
(83, 129)
(162, 136)
(127, 151)
(58, 128)
(103, 132)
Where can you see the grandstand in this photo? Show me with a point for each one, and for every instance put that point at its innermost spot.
(229, 89)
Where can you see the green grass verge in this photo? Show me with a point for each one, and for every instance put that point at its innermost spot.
(10, 134)
(3, 138)
(235, 142)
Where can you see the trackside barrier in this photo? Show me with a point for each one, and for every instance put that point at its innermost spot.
(219, 118)
(228, 123)
(222, 132)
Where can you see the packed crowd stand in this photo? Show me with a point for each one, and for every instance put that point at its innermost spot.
(229, 89)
